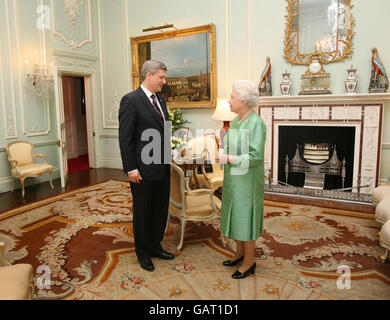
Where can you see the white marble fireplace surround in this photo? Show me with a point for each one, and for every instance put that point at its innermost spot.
(362, 111)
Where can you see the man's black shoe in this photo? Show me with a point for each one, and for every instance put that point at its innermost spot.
(163, 255)
(146, 264)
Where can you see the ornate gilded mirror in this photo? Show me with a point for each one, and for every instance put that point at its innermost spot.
(322, 27)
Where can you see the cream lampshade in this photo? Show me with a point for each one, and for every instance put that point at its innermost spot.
(223, 113)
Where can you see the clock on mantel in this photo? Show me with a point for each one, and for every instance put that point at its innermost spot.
(315, 80)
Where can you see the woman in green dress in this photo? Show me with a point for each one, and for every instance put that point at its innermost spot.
(243, 184)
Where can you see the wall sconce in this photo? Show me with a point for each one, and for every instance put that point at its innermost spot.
(40, 81)
(223, 113)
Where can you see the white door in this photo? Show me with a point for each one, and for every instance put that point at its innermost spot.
(68, 88)
(89, 122)
(61, 130)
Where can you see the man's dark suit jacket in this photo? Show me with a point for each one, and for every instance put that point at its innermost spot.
(137, 114)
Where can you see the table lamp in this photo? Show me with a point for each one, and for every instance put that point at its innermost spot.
(223, 113)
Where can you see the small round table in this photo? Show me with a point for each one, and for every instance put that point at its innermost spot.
(190, 164)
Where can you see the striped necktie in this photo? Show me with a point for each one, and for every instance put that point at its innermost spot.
(156, 108)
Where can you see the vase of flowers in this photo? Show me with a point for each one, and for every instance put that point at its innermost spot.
(177, 119)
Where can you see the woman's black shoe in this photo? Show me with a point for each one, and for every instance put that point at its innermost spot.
(242, 275)
(231, 263)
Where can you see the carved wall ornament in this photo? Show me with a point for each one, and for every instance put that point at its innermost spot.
(11, 130)
(73, 9)
(113, 111)
(72, 63)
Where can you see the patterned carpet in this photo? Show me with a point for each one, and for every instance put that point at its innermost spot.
(85, 238)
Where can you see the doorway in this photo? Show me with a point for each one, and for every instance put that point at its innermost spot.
(75, 123)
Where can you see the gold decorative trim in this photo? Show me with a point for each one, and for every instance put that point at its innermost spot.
(291, 50)
(210, 29)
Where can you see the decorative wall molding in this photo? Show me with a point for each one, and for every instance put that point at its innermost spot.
(71, 63)
(344, 99)
(113, 112)
(9, 116)
(128, 49)
(6, 182)
(73, 60)
(74, 55)
(106, 162)
(386, 146)
(108, 136)
(110, 103)
(34, 130)
(72, 9)
(36, 144)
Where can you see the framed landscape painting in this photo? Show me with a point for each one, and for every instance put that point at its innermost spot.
(191, 61)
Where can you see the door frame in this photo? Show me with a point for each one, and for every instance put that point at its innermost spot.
(88, 76)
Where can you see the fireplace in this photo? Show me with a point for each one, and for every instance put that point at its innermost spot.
(350, 123)
(318, 148)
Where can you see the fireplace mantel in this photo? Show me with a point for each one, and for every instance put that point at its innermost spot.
(362, 111)
(327, 98)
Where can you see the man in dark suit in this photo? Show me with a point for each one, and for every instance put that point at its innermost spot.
(146, 156)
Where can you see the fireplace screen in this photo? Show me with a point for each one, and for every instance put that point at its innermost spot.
(312, 155)
(315, 160)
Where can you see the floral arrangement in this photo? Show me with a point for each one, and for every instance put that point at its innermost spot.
(178, 122)
(177, 119)
(175, 142)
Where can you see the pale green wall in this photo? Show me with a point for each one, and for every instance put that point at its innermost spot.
(247, 31)
(26, 117)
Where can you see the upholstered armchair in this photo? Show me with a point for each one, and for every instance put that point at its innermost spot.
(207, 146)
(16, 281)
(191, 205)
(22, 162)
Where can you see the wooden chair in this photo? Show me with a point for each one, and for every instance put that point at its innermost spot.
(21, 159)
(207, 146)
(16, 281)
(191, 205)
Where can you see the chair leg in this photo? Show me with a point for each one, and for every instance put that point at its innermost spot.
(384, 257)
(166, 226)
(22, 183)
(183, 226)
(224, 242)
(51, 179)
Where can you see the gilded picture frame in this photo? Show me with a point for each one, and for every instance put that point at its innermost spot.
(190, 56)
(292, 51)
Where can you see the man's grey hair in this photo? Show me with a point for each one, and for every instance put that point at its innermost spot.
(247, 92)
(152, 66)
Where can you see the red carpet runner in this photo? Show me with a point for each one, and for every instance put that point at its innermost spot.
(78, 164)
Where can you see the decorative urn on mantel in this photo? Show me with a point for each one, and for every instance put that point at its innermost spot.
(286, 84)
(351, 83)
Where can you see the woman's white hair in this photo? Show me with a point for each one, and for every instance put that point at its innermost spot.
(247, 92)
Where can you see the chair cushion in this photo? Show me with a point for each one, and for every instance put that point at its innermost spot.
(381, 193)
(384, 238)
(382, 211)
(15, 282)
(33, 169)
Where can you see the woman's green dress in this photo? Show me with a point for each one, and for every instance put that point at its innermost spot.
(243, 183)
